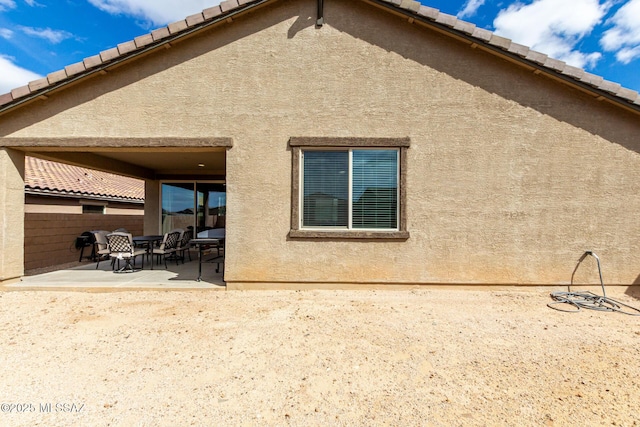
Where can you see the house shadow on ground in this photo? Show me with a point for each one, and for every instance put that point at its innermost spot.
(586, 274)
(634, 291)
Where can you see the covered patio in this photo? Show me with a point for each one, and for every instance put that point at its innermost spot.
(161, 163)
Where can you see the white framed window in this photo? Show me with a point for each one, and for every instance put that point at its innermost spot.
(348, 188)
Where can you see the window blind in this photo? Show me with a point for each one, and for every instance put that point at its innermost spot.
(325, 188)
(375, 189)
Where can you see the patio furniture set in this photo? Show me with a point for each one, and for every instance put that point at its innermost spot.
(120, 245)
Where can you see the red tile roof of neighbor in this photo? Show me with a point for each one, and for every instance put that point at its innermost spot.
(45, 177)
(413, 10)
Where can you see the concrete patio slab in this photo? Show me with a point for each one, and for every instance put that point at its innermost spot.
(85, 276)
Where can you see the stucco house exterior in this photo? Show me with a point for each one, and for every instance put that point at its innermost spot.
(347, 143)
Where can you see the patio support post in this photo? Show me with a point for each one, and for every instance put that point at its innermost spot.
(151, 207)
(11, 215)
(320, 20)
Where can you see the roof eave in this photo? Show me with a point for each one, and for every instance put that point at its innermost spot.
(37, 191)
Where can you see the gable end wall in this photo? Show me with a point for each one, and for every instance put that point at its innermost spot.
(510, 176)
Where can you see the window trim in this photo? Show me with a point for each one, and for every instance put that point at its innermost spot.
(297, 144)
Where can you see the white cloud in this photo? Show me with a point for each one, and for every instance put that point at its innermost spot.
(624, 37)
(553, 27)
(14, 76)
(7, 4)
(470, 8)
(627, 55)
(6, 33)
(53, 36)
(157, 12)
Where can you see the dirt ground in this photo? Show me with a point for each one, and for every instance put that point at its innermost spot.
(315, 358)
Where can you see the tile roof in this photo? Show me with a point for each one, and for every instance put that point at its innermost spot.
(410, 8)
(45, 177)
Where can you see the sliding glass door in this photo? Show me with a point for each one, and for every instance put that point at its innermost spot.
(201, 205)
(211, 206)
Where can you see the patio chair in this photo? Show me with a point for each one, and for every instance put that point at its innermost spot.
(102, 246)
(184, 244)
(168, 248)
(121, 247)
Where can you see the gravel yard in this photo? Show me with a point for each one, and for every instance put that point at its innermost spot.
(434, 357)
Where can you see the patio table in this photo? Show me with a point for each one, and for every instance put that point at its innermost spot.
(204, 243)
(213, 233)
(148, 242)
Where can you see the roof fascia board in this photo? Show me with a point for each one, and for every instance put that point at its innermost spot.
(599, 94)
(36, 191)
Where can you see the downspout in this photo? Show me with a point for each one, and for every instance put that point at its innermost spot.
(320, 19)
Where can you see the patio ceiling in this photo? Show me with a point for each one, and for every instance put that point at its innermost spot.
(143, 164)
(143, 158)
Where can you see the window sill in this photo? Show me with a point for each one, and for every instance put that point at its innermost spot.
(339, 234)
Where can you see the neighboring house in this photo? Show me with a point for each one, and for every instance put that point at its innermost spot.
(64, 201)
(295, 120)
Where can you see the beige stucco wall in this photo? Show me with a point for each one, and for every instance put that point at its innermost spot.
(11, 214)
(511, 176)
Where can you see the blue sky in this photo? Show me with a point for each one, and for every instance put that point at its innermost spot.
(38, 37)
